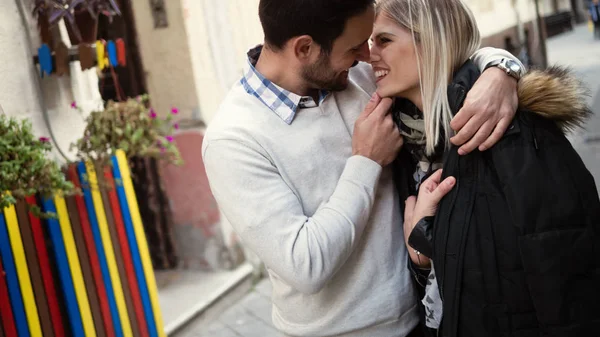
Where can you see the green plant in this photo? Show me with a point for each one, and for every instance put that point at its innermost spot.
(131, 126)
(24, 167)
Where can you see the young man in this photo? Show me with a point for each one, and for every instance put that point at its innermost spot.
(297, 160)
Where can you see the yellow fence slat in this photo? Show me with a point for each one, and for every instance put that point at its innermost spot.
(141, 238)
(75, 266)
(12, 224)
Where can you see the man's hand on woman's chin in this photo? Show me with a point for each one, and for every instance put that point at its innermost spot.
(487, 112)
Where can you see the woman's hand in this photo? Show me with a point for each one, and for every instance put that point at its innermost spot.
(431, 193)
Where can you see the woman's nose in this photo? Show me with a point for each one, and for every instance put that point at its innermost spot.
(374, 57)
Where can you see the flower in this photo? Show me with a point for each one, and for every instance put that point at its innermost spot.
(44, 139)
(73, 105)
(174, 111)
(152, 113)
(169, 138)
(176, 126)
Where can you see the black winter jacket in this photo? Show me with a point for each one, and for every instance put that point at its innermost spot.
(516, 243)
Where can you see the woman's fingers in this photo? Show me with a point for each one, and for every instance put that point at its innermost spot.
(430, 194)
(431, 183)
(442, 189)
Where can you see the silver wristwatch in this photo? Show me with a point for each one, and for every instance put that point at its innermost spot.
(509, 66)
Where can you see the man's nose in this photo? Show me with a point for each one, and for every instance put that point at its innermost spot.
(363, 54)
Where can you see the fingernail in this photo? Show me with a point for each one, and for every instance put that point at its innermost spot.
(374, 97)
(461, 152)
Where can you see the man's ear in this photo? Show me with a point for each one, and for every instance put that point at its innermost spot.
(305, 48)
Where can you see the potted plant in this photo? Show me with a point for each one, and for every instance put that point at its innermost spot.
(131, 126)
(134, 127)
(25, 169)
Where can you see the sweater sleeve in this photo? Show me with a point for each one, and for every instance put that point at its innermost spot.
(305, 251)
(486, 55)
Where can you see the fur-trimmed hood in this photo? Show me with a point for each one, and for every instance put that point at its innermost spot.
(557, 94)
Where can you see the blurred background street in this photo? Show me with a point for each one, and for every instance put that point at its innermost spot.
(580, 51)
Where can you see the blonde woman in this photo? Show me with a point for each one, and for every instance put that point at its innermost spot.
(507, 239)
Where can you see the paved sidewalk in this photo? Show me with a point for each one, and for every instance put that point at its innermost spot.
(581, 52)
(251, 317)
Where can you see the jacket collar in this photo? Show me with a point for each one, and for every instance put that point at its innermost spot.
(462, 82)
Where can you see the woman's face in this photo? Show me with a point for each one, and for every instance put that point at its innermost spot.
(394, 60)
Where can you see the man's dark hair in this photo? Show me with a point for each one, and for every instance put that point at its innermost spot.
(323, 20)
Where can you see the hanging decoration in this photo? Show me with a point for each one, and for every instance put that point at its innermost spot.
(111, 49)
(103, 54)
(121, 54)
(81, 16)
(87, 56)
(106, 7)
(101, 58)
(65, 9)
(61, 58)
(45, 59)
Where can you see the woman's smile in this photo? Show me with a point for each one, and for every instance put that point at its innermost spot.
(380, 73)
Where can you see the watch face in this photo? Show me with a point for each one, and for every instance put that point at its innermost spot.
(513, 66)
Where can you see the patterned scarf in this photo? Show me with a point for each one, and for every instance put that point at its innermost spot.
(412, 127)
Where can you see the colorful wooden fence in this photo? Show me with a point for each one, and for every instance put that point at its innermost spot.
(85, 272)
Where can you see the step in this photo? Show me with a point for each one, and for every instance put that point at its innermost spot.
(191, 298)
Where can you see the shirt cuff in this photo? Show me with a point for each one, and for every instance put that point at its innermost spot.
(362, 169)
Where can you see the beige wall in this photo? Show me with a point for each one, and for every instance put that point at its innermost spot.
(23, 94)
(195, 60)
(167, 60)
(219, 34)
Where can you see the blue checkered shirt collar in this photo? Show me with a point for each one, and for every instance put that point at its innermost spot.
(283, 102)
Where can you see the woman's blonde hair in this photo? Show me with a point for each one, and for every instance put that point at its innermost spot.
(445, 35)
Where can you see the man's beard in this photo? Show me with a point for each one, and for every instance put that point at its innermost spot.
(320, 75)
